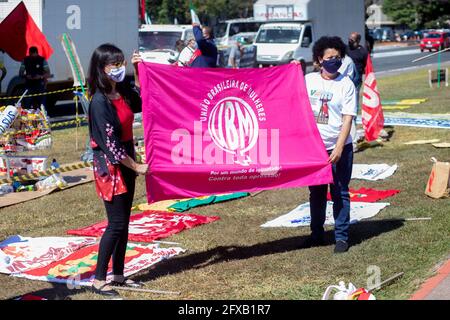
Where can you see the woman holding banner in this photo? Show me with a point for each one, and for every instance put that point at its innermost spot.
(333, 100)
(111, 116)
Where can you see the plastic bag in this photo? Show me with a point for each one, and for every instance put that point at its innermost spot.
(51, 182)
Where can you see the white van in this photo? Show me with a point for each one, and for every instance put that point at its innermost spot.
(157, 42)
(226, 32)
(309, 20)
(278, 43)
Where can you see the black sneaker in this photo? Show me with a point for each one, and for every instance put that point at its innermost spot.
(341, 246)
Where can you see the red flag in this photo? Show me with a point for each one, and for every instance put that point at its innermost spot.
(19, 32)
(372, 111)
(197, 53)
(143, 10)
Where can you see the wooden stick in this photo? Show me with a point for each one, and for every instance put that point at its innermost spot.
(256, 193)
(76, 117)
(385, 282)
(417, 219)
(145, 290)
(404, 219)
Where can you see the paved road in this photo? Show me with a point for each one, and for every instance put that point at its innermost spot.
(395, 59)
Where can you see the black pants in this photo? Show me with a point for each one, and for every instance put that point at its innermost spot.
(34, 87)
(114, 240)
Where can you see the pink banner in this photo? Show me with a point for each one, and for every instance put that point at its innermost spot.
(210, 131)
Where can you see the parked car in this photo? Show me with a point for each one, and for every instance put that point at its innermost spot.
(383, 34)
(435, 41)
(157, 42)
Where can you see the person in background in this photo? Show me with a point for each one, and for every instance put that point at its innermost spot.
(370, 41)
(348, 68)
(111, 116)
(236, 53)
(36, 72)
(359, 56)
(205, 43)
(2, 68)
(186, 54)
(179, 45)
(333, 101)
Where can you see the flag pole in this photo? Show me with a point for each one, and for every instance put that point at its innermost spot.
(77, 122)
(439, 69)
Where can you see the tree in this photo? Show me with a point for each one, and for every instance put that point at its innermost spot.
(209, 11)
(418, 14)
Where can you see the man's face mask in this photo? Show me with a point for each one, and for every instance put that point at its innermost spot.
(332, 65)
(117, 74)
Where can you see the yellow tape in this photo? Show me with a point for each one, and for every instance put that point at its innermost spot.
(55, 125)
(49, 172)
(40, 94)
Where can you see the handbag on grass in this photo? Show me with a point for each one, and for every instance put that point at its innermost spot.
(438, 185)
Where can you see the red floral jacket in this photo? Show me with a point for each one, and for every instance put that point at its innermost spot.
(108, 149)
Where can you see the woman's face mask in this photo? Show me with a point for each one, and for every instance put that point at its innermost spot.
(117, 74)
(332, 65)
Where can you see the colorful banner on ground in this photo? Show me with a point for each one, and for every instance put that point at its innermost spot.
(210, 131)
(368, 194)
(79, 267)
(150, 225)
(301, 216)
(372, 112)
(19, 254)
(185, 205)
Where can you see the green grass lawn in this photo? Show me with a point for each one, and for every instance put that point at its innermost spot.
(234, 258)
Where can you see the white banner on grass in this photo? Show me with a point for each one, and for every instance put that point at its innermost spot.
(301, 216)
(373, 172)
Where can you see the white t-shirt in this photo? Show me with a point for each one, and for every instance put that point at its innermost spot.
(348, 67)
(330, 100)
(185, 56)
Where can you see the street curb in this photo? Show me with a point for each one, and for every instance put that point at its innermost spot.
(432, 283)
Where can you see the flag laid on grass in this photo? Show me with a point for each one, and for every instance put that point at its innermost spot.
(301, 216)
(372, 111)
(184, 205)
(368, 194)
(19, 254)
(19, 32)
(150, 225)
(373, 172)
(79, 267)
(212, 131)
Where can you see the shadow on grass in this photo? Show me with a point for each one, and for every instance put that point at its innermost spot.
(58, 292)
(358, 233)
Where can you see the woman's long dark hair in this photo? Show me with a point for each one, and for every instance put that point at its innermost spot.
(98, 80)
